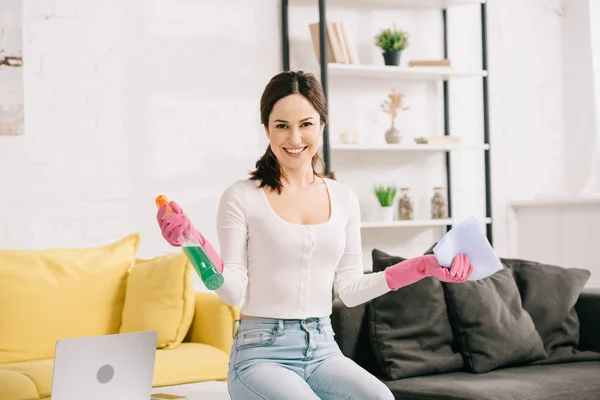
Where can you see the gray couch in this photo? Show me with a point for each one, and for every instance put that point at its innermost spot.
(530, 331)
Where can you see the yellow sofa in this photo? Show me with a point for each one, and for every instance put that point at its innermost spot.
(47, 295)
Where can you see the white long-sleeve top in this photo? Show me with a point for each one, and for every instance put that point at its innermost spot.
(279, 269)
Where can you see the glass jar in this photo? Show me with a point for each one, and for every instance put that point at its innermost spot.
(439, 206)
(405, 205)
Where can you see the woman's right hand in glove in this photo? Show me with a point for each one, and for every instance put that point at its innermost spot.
(173, 223)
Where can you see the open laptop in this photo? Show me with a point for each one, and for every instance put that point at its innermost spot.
(109, 367)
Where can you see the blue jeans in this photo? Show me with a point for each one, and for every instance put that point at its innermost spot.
(278, 359)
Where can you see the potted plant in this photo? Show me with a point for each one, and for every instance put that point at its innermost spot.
(392, 105)
(392, 41)
(385, 196)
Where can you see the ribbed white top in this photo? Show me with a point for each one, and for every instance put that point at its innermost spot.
(278, 269)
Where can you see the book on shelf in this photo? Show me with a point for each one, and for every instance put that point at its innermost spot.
(429, 63)
(437, 140)
(340, 46)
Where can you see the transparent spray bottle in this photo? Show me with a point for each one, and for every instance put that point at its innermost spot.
(202, 263)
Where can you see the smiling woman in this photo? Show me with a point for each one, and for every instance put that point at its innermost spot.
(287, 235)
(294, 113)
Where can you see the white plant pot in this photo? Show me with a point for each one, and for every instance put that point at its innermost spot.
(386, 214)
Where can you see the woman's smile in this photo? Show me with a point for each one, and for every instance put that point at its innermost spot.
(295, 151)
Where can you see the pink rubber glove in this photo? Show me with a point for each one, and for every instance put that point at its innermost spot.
(413, 270)
(173, 225)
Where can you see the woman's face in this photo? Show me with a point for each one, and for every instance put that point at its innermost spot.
(294, 131)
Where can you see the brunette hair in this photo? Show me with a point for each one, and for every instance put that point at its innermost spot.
(268, 170)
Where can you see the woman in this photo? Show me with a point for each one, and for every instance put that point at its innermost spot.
(286, 234)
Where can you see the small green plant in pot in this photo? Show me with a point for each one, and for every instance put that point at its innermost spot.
(392, 41)
(385, 196)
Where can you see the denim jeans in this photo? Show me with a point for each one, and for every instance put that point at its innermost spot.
(278, 359)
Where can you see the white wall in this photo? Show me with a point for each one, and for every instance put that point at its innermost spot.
(560, 226)
(128, 100)
(579, 97)
(528, 128)
(559, 232)
(592, 186)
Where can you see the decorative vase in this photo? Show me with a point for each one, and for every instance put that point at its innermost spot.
(439, 207)
(392, 135)
(391, 57)
(406, 207)
(386, 213)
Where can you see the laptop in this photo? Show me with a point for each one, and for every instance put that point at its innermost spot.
(108, 367)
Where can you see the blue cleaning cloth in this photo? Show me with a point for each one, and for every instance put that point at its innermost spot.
(468, 238)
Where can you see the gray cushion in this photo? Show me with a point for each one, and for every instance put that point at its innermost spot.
(493, 329)
(573, 381)
(409, 328)
(549, 294)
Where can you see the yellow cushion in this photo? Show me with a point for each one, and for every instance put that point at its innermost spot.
(39, 372)
(16, 386)
(160, 297)
(47, 295)
(213, 322)
(190, 362)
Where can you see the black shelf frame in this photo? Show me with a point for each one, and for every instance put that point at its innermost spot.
(285, 42)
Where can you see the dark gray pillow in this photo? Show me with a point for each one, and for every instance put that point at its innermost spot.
(549, 294)
(493, 329)
(409, 328)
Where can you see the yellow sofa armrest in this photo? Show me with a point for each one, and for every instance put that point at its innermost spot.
(213, 322)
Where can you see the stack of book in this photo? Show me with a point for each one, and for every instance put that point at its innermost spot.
(340, 46)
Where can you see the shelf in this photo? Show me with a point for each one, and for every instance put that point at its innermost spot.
(402, 4)
(401, 72)
(406, 224)
(378, 73)
(412, 223)
(407, 147)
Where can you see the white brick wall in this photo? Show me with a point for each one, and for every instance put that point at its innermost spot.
(125, 100)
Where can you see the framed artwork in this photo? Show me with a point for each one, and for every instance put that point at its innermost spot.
(11, 68)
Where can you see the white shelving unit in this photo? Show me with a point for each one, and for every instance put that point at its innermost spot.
(407, 147)
(347, 73)
(412, 223)
(406, 224)
(392, 72)
(400, 4)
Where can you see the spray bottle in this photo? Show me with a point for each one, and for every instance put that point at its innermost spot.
(203, 265)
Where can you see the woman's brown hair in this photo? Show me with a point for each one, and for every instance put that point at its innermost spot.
(268, 170)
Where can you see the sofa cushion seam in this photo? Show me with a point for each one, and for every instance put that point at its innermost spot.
(463, 343)
(37, 389)
(183, 309)
(375, 342)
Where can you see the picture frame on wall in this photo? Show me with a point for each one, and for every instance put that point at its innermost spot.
(12, 115)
